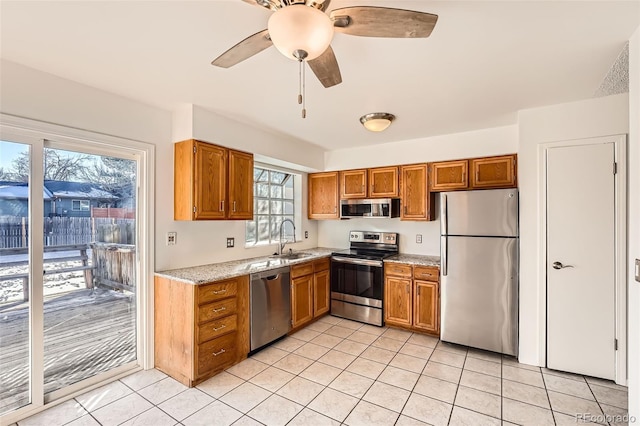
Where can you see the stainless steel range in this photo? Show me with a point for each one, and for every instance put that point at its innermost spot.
(357, 276)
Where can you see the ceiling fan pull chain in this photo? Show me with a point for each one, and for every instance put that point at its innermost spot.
(304, 87)
(299, 81)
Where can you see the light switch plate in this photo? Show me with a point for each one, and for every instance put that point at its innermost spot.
(230, 242)
(172, 238)
(638, 270)
(419, 238)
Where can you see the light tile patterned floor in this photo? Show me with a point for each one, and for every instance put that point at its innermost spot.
(338, 371)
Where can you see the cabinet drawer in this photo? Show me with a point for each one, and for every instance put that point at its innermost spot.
(301, 269)
(397, 269)
(215, 310)
(216, 291)
(426, 273)
(321, 264)
(217, 328)
(216, 354)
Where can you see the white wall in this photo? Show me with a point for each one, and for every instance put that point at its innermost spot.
(29, 93)
(486, 142)
(576, 120)
(634, 223)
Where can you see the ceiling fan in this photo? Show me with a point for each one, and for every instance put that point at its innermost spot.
(302, 30)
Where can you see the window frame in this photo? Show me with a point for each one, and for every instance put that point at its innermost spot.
(81, 205)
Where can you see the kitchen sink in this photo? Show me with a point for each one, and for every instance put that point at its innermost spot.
(290, 256)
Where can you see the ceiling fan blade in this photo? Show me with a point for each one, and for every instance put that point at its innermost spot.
(370, 21)
(325, 67)
(264, 4)
(248, 47)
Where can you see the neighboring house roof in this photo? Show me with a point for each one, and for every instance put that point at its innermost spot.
(62, 189)
(20, 191)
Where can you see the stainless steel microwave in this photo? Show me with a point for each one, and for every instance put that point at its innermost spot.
(376, 207)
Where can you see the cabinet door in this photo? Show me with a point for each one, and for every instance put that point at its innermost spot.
(210, 181)
(323, 195)
(425, 308)
(449, 175)
(353, 184)
(397, 301)
(301, 300)
(414, 194)
(493, 172)
(240, 185)
(383, 182)
(320, 293)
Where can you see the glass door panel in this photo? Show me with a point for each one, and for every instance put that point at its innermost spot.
(90, 266)
(15, 306)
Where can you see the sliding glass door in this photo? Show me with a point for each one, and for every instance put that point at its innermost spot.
(69, 268)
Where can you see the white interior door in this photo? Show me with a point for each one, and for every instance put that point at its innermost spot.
(581, 259)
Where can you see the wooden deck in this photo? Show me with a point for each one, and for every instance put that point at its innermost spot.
(85, 332)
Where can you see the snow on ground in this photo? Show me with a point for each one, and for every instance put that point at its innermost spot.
(11, 290)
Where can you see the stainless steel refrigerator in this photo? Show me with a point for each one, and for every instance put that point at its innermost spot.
(479, 268)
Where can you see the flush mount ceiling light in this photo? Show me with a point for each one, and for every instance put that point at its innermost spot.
(377, 121)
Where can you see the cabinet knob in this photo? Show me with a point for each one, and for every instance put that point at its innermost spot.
(215, 311)
(219, 328)
(234, 206)
(220, 352)
(223, 291)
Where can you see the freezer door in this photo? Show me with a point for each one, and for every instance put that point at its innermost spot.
(479, 295)
(484, 213)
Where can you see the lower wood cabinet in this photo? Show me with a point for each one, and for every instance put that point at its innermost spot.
(309, 291)
(200, 329)
(412, 297)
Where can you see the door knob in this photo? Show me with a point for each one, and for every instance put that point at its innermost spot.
(559, 265)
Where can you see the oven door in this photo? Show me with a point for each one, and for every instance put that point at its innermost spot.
(357, 281)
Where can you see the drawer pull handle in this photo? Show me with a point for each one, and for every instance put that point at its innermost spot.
(220, 352)
(215, 311)
(219, 328)
(223, 291)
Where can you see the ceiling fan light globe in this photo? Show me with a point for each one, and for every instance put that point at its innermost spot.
(300, 27)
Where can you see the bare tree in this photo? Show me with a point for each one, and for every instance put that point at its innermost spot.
(57, 166)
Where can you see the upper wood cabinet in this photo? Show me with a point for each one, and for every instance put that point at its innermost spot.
(449, 175)
(353, 184)
(493, 172)
(240, 185)
(210, 180)
(475, 173)
(383, 182)
(417, 201)
(323, 195)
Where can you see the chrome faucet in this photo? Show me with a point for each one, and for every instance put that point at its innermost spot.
(282, 244)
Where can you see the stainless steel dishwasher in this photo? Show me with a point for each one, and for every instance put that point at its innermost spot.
(270, 306)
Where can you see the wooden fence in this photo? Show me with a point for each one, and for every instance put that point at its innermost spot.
(115, 265)
(14, 231)
(113, 212)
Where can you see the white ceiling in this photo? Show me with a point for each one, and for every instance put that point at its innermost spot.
(482, 63)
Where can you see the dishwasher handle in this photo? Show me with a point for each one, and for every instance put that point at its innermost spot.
(272, 277)
(271, 274)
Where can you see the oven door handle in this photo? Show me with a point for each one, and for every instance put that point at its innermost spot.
(357, 261)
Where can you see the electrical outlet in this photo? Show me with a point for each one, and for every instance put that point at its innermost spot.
(172, 238)
(306, 234)
(418, 238)
(230, 242)
(638, 270)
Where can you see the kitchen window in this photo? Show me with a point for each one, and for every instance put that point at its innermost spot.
(80, 205)
(273, 202)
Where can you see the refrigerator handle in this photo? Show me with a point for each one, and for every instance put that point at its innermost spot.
(443, 255)
(443, 215)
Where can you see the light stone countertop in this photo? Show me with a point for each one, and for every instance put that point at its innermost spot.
(415, 259)
(235, 268)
